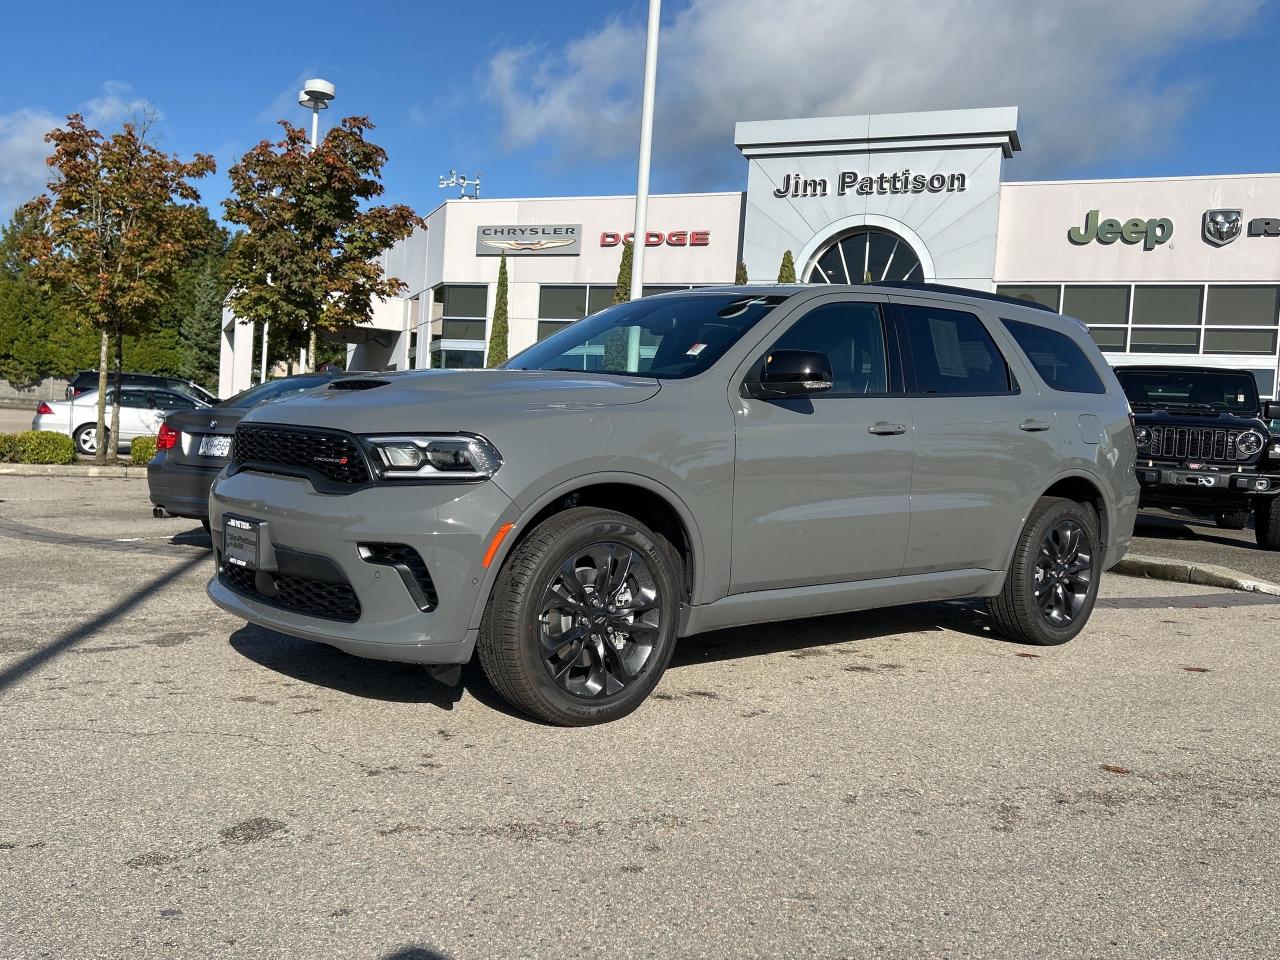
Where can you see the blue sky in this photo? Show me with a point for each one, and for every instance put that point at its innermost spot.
(542, 96)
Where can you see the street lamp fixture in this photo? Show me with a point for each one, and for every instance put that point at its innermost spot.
(315, 96)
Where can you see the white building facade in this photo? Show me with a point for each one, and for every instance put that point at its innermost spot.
(1182, 270)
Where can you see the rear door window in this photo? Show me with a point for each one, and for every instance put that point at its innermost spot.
(951, 354)
(1057, 358)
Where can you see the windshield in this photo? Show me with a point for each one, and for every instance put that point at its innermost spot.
(667, 337)
(1201, 389)
(273, 390)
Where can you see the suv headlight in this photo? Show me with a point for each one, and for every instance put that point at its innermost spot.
(1248, 443)
(1142, 435)
(443, 458)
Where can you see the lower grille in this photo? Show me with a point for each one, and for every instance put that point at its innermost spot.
(1193, 443)
(314, 598)
(411, 567)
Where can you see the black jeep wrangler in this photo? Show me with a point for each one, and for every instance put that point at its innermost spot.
(1205, 443)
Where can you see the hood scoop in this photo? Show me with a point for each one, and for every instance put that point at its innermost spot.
(357, 383)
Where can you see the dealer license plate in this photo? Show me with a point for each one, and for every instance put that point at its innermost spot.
(240, 542)
(212, 446)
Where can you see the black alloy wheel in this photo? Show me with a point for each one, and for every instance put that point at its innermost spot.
(1064, 572)
(1052, 583)
(600, 618)
(581, 621)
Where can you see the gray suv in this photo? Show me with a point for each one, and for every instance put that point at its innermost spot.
(683, 463)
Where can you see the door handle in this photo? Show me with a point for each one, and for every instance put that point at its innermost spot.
(883, 429)
(1034, 426)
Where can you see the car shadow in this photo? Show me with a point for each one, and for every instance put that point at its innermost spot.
(1157, 527)
(196, 537)
(325, 666)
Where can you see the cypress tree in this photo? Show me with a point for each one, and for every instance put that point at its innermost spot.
(787, 272)
(622, 291)
(498, 334)
(615, 344)
(740, 278)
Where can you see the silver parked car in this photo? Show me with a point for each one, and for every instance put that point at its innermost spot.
(142, 410)
(684, 463)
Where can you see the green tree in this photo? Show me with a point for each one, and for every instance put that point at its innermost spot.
(740, 278)
(615, 343)
(498, 333)
(112, 233)
(309, 259)
(787, 272)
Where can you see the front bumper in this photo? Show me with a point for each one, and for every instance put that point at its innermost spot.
(182, 489)
(449, 526)
(1185, 483)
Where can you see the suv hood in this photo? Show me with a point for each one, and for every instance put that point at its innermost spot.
(451, 400)
(1221, 420)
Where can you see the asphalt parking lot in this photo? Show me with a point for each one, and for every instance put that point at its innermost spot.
(890, 784)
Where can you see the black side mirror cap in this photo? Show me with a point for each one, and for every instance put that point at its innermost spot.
(792, 373)
(1271, 410)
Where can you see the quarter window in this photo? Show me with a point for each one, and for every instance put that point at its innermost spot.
(952, 354)
(852, 337)
(1057, 358)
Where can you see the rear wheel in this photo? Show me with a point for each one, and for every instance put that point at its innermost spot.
(86, 439)
(1232, 519)
(1052, 583)
(582, 620)
(1266, 523)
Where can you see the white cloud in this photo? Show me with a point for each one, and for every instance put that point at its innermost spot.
(23, 171)
(1084, 72)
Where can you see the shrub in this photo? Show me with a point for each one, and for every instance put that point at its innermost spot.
(141, 450)
(8, 447)
(41, 446)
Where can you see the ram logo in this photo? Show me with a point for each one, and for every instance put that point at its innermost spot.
(1222, 226)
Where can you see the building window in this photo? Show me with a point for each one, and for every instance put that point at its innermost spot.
(1166, 306)
(1164, 340)
(463, 301)
(1113, 339)
(1044, 294)
(457, 359)
(1101, 305)
(1240, 341)
(558, 306)
(460, 313)
(865, 255)
(455, 329)
(1241, 307)
(547, 327)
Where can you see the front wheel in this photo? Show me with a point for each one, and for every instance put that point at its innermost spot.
(1052, 583)
(1266, 523)
(1232, 519)
(582, 620)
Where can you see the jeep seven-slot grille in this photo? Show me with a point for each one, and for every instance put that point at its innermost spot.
(1193, 443)
(314, 598)
(334, 456)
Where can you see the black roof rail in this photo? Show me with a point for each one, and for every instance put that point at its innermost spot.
(962, 291)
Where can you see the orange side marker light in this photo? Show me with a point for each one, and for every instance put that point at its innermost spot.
(496, 543)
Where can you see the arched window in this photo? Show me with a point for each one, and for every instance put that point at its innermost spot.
(866, 255)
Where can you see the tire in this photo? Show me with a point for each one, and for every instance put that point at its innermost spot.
(1232, 519)
(562, 667)
(1266, 523)
(86, 439)
(1018, 613)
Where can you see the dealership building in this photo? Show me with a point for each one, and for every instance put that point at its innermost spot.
(1164, 270)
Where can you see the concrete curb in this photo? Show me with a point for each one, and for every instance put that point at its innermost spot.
(1203, 574)
(71, 470)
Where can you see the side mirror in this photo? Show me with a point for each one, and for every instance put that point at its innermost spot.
(794, 373)
(1271, 410)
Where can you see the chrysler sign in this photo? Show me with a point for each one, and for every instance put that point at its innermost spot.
(529, 240)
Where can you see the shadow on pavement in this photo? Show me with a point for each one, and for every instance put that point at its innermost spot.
(195, 537)
(1156, 527)
(416, 953)
(38, 658)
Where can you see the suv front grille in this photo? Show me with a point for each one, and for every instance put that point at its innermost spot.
(1193, 443)
(314, 598)
(334, 456)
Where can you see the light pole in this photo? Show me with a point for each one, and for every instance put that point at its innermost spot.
(640, 234)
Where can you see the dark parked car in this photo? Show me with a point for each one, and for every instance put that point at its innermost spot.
(87, 380)
(192, 447)
(1205, 444)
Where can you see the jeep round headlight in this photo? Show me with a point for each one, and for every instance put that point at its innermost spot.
(434, 459)
(1142, 435)
(1248, 444)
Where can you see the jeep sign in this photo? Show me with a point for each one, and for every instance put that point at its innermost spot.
(1150, 233)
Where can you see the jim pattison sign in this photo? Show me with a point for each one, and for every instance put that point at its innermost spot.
(529, 239)
(849, 181)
